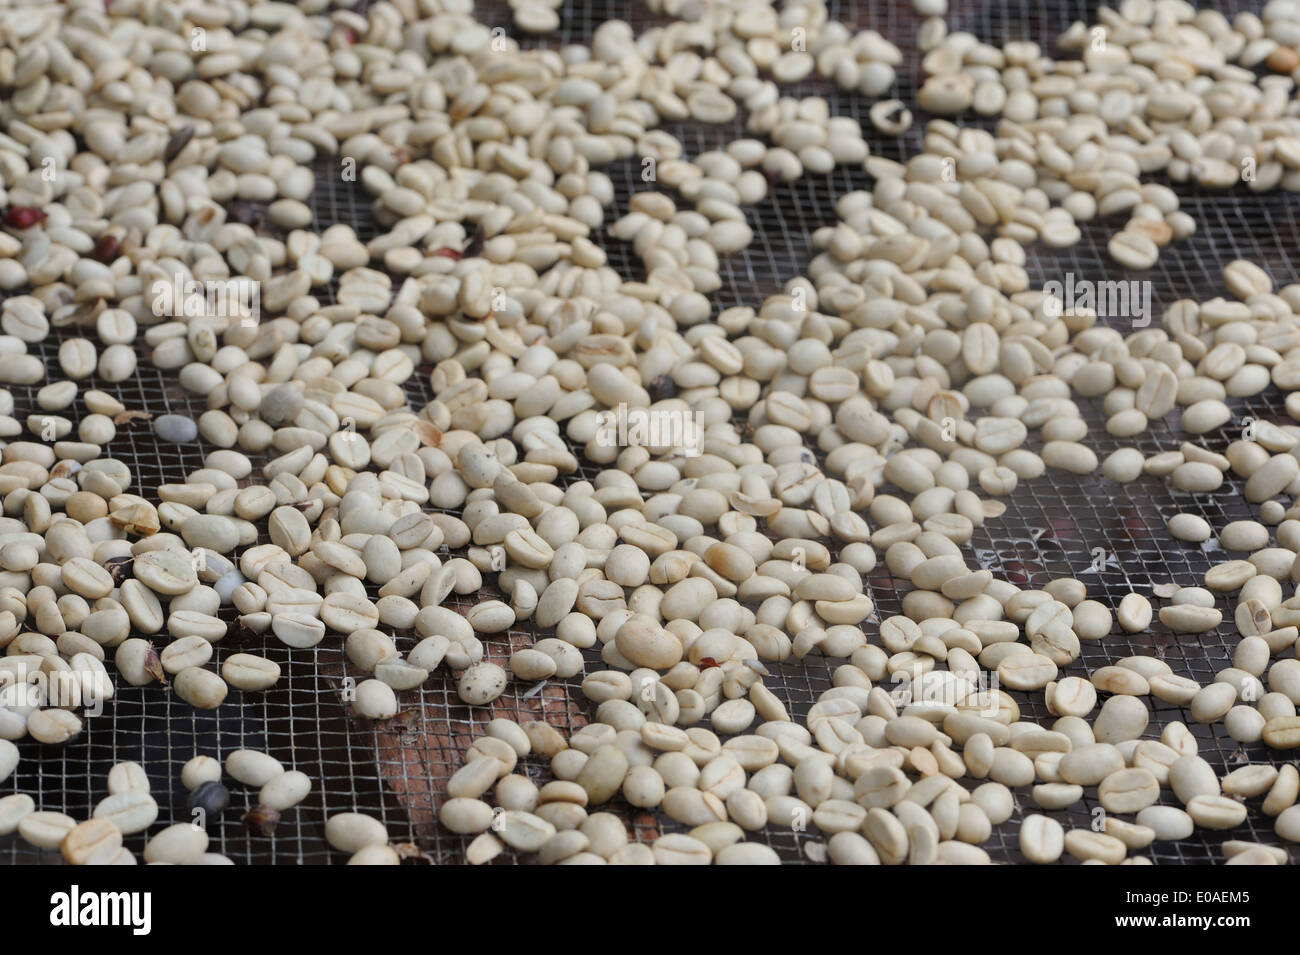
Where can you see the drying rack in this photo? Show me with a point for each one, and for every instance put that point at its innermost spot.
(1051, 527)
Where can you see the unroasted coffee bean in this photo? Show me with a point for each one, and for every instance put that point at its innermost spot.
(1282, 732)
(375, 700)
(1128, 790)
(93, 842)
(603, 774)
(825, 429)
(184, 653)
(1134, 613)
(1191, 776)
(465, 816)
(127, 777)
(1042, 840)
(481, 684)
(199, 770)
(1190, 619)
(1216, 812)
(252, 768)
(249, 672)
(1189, 527)
(175, 428)
(200, 688)
(1085, 845)
(285, 791)
(130, 812)
(1168, 823)
(176, 844)
(53, 726)
(12, 811)
(352, 831)
(380, 855)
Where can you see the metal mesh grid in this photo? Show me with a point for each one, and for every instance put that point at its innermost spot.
(399, 771)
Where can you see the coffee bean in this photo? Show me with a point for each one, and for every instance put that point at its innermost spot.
(481, 683)
(252, 768)
(1042, 840)
(285, 791)
(175, 429)
(130, 812)
(176, 844)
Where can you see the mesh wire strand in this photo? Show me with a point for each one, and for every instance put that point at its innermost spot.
(1050, 529)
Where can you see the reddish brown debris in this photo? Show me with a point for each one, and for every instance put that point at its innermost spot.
(23, 217)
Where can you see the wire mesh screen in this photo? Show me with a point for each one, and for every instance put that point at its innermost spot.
(398, 771)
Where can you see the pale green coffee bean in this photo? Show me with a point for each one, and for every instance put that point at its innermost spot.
(400, 675)
(1042, 839)
(1197, 477)
(1191, 776)
(1282, 732)
(481, 683)
(1069, 456)
(381, 855)
(1091, 620)
(1216, 812)
(1283, 792)
(1131, 834)
(176, 844)
(1134, 613)
(850, 848)
(127, 777)
(1186, 618)
(522, 831)
(1072, 696)
(1213, 702)
(285, 790)
(351, 832)
(1189, 527)
(9, 758)
(375, 700)
(1245, 724)
(52, 726)
(13, 809)
(1128, 790)
(1271, 478)
(1088, 765)
(253, 768)
(1057, 795)
(1244, 536)
(200, 688)
(1173, 689)
(1167, 822)
(45, 830)
(1122, 466)
(1086, 845)
(184, 653)
(199, 770)
(299, 631)
(1205, 416)
(130, 812)
(1121, 718)
(248, 672)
